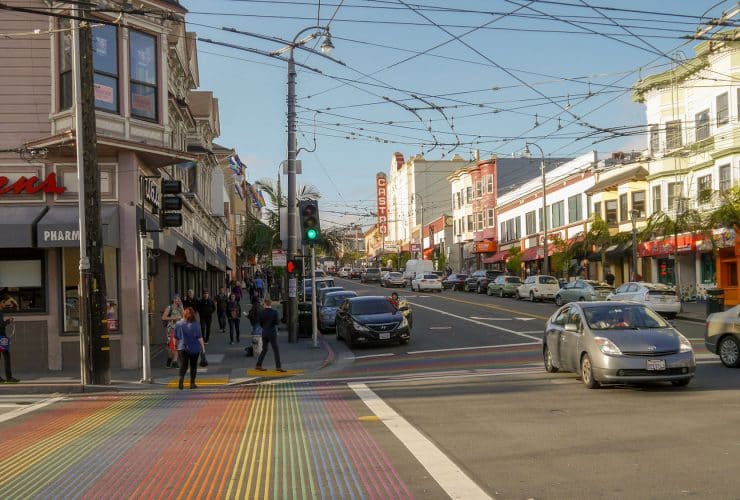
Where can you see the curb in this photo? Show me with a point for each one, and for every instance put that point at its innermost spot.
(330, 356)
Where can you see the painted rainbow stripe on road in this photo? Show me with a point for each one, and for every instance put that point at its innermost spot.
(269, 442)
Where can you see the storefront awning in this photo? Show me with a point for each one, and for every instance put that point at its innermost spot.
(60, 227)
(654, 248)
(532, 253)
(17, 225)
(499, 257)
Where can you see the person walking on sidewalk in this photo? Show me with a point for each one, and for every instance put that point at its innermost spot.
(254, 314)
(190, 300)
(234, 311)
(189, 346)
(5, 346)
(236, 290)
(172, 314)
(205, 308)
(269, 320)
(222, 300)
(259, 287)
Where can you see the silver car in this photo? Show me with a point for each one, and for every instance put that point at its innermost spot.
(723, 336)
(616, 343)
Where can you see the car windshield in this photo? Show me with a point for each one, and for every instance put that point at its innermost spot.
(336, 300)
(394, 275)
(548, 280)
(373, 271)
(375, 306)
(430, 276)
(513, 280)
(623, 317)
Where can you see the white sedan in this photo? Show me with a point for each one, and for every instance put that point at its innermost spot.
(426, 282)
(662, 298)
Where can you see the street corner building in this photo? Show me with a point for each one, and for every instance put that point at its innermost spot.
(151, 125)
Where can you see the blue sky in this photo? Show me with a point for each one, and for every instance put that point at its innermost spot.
(542, 71)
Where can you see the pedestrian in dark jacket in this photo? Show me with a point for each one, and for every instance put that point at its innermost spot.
(254, 314)
(189, 346)
(5, 347)
(205, 307)
(237, 291)
(222, 300)
(190, 300)
(234, 312)
(269, 321)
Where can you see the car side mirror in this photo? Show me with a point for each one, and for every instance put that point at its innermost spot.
(571, 327)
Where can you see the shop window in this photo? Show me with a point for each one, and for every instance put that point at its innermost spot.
(143, 57)
(708, 275)
(666, 274)
(624, 208)
(657, 199)
(71, 280)
(611, 212)
(725, 180)
(702, 125)
(673, 137)
(575, 209)
(729, 273)
(638, 203)
(105, 67)
(723, 109)
(22, 280)
(654, 138)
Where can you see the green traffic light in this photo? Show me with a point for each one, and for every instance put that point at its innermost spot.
(312, 234)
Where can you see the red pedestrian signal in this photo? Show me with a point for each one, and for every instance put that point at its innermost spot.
(291, 266)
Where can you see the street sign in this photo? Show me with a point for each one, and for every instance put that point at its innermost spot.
(279, 258)
(415, 247)
(291, 287)
(391, 247)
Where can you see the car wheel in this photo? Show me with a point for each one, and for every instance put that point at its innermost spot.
(729, 351)
(549, 366)
(681, 383)
(587, 374)
(558, 300)
(501, 293)
(531, 296)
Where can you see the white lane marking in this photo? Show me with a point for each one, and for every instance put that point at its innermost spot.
(491, 319)
(28, 409)
(525, 319)
(696, 340)
(385, 354)
(440, 328)
(448, 475)
(474, 348)
(507, 330)
(533, 331)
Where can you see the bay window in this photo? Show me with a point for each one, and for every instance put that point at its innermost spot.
(143, 60)
(105, 67)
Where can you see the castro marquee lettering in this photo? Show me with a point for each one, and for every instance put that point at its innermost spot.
(31, 185)
(381, 191)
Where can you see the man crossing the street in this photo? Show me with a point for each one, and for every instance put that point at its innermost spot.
(269, 320)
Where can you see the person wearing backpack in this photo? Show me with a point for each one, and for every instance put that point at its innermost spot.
(254, 314)
(234, 312)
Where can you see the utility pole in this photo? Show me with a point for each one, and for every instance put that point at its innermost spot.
(94, 339)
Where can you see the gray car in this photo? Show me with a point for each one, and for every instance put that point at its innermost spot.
(723, 336)
(616, 343)
(583, 290)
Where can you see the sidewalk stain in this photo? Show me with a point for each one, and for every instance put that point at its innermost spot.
(268, 441)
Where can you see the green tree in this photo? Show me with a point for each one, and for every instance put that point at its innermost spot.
(514, 261)
(561, 256)
(598, 236)
(259, 238)
(728, 213)
(441, 262)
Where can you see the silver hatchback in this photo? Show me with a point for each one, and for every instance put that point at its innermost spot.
(616, 343)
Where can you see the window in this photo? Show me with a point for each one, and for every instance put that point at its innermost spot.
(724, 178)
(105, 66)
(468, 195)
(542, 220)
(558, 214)
(638, 203)
(597, 209)
(654, 138)
(702, 125)
(65, 65)
(588, 206)
(143, 58)
(458, 199)
(611, 211)
(489, 219)
(530, 222)
(704, 188)
(673, 138)
(479, 221)
(575, 209)
(511, 229)
(478, 189)
(71, 278)
(470, 223)
(22, 276)
(723, 109)
(624, 208)
(657, 201)
(674, 193)
(489, 183)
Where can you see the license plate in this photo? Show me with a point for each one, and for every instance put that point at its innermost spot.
(385, 336)
(656, 364)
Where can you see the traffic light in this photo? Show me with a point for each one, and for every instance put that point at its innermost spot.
(310, 225)
(293, 266)
(170, 215)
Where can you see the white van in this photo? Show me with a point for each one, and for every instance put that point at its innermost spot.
(414, 266)
(344, 272)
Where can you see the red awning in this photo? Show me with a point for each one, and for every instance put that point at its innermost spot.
(499, 257)
(531, 253)
(686, 244)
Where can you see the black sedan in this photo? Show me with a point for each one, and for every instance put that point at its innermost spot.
(371, 320)
(454, 281)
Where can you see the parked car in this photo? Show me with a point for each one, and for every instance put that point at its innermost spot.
(321, 292)
(370, 274)
(393, 279)
(371, 320)
(454, 281)
(355, 273)
(344, 272)
(582, 290)
(722, 336)
(416, 266)
(426, 282)
(539, 287)
(662, 298)
(320, 283)
(327, 309)
(504, 286)
(478, 281)
(616, 343)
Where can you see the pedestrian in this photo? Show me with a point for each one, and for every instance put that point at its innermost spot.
(234, 312)
(171, 315)
(610, 278)
(393, 299)
(269, 321)
(5, 345)
(222, 300)
(236, 290)
(190, 300)
(205, 308)
(254, 314)
(189, 346)
(259, 286)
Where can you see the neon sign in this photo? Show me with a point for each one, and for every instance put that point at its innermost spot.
(31, 185)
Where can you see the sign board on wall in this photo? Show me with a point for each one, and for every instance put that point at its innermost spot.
(279, 258)
(382, 195)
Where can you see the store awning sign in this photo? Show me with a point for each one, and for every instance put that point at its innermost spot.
(30, 185)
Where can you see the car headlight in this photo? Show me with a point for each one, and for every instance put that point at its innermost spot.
(404, 322)
(685, 344)
(607, 346)
(359, 327)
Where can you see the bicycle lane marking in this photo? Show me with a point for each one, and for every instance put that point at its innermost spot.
(449, 476)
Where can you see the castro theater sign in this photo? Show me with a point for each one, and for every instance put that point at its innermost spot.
(30, 185)
(381, 191)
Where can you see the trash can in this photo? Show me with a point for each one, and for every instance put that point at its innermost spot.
(715, 300)
(304, 319)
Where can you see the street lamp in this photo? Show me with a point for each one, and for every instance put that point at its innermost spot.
(526, 154)
(326, 47)
(421, 222)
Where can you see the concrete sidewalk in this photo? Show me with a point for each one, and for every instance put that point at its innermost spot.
(228, 365)
(693, 311)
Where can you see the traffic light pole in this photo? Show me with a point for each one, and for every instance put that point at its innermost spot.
(314, 322)
(292, 303)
